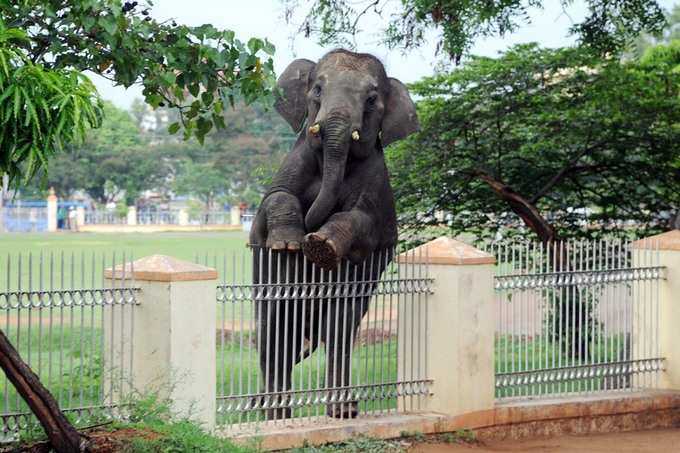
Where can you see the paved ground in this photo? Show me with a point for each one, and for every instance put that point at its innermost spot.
(667, 440)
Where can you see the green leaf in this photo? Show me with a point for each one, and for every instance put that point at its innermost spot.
(173, 128)
(169, 78)
(207, 98)
(255, 44)
(109, 24)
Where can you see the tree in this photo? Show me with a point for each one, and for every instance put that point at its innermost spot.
(556, 139)
(244, 154)
(609, 26)
(112, 161)
(40, 110)
(201, 180)
(669, 33)
(48, 43)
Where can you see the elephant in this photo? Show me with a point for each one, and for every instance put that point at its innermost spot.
(331, 202)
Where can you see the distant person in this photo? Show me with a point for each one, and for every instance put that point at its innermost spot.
(61, 218)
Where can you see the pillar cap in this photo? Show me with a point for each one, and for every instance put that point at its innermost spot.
(161, 268)
(670, 240)
(444, 250)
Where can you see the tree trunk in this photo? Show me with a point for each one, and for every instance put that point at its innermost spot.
(567, 300)
(523, 208)
(62, 435)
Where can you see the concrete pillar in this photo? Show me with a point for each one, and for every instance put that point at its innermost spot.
(460, 327)
(173, 353)
(52, 206)
(235, 215)
(80, 216)
(645, 324)
(183, 217)
(132, 215)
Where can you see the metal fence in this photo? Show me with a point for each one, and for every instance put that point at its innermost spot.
(21, 219)
(158, 217)
(163, 217)
(576, 317)
(62, 316)
(210, 218)
(295, 341)
(104, 218)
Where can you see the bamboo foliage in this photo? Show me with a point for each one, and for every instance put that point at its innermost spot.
(41, 109)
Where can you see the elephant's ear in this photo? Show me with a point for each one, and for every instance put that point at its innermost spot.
(400, 118)
(291, 93)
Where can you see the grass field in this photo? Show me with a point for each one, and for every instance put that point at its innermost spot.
(70, 260)
(179, 245)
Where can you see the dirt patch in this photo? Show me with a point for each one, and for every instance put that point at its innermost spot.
(661, 440)
(370, 336)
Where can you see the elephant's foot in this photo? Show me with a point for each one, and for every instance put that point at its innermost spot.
(286, 238)
(343, 410)
(321, 250)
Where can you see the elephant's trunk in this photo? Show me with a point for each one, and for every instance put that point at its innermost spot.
(336, 136)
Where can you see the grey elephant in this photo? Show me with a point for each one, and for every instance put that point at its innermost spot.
(331, 200)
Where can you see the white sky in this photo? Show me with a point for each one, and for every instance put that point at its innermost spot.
(264, 19)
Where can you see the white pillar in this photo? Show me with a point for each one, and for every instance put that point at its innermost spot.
(132, 215)
(183, 217)
(173, 340)
(52, 203)
(235, 215)
(460, 327)
(668, 246)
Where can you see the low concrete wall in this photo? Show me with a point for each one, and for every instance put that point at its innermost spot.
(155, 228)
(544, 418)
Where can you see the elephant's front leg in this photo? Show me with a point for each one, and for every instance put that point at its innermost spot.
(279, 223)
(335, 238)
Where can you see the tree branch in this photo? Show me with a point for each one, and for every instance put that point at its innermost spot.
(520, 206)
(568, 168)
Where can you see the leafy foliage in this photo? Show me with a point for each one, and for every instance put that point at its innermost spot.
(234, 165)
(129, 154)
(668, 34)
(580, 141)
(198, 70)
(40, 110)
(609, 26)
(111, 161)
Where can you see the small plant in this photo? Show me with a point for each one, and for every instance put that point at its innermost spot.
(415, 435)
(458, 436)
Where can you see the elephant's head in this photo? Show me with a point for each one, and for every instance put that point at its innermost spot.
(349, 109)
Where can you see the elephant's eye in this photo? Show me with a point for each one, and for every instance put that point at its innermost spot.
(370, 101)
(316, 91)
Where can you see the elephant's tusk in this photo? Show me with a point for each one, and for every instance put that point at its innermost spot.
(315, 129)
(380, 135)
(355, 136)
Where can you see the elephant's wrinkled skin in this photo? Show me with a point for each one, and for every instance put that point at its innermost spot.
(332, 199)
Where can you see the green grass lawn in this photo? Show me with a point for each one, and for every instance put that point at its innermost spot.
(72, 260)
(180, 245)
